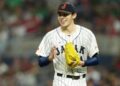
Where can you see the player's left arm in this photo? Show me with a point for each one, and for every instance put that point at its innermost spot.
(92, 61)
(93, 53)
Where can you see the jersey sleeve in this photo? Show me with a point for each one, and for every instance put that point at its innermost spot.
(93, 46)
(44, 47)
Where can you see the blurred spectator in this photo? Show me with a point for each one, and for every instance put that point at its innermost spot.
(14, 22)
(84, 9)
(3, 67)
(14, 3)
(45, 15)
(116, 25)
(93, 76)
(3, 27)
(31, 22)
(26, 77)
(90, 82)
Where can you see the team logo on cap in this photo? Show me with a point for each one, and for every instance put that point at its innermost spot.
(64, 6)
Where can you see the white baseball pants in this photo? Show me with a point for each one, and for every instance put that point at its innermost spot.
(65, 81)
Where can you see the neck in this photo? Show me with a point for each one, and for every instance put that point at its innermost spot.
(69, 29)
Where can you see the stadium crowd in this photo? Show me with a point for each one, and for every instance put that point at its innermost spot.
(24, 22)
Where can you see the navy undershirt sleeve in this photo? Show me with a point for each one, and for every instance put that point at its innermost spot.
(94, 60)
(43, 61)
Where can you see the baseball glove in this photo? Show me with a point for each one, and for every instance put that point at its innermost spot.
(71, 55)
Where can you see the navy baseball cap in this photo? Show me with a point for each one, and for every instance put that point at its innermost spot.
(66, 8)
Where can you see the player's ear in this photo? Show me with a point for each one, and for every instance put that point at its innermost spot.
(74, 15)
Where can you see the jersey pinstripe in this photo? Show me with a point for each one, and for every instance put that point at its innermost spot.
(83, 39)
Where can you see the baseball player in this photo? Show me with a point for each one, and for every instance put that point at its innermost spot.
(53, 44)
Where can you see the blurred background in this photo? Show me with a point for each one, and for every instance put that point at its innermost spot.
(24, 22)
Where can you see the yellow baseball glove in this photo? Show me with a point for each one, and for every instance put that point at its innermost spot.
(71, 55)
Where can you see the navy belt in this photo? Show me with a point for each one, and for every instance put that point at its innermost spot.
(71, 76)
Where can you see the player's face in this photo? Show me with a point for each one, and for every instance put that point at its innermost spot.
(66, 19)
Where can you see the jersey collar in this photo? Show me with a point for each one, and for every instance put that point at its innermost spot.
(71, 37)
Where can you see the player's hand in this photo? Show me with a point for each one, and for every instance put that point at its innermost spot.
(75, 63)
(52, 54)
(81, 63)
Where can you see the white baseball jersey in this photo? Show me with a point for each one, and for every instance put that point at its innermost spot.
(83, 40)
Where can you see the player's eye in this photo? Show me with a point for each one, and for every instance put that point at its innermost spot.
(63, 14)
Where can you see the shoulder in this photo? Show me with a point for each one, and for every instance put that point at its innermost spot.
(51, 32)
(85, 30)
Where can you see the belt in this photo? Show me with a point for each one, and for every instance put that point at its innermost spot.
(71, 76)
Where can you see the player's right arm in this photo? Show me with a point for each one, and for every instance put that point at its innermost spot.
(43, 61)
(45, 52)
